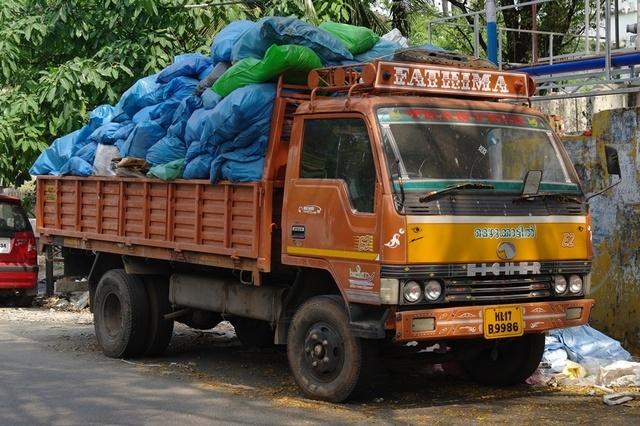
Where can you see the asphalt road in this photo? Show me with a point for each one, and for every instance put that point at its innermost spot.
(51, 372)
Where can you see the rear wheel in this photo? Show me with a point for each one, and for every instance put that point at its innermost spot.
(160, 329)
(506, 362)
(121, 315)
(326, 359)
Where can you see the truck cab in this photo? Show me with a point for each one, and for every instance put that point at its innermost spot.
(457, 219)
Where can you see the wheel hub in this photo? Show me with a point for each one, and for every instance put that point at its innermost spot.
(112, 314)
(324, 354)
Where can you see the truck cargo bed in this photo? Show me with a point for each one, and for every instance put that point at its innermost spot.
(185, 220)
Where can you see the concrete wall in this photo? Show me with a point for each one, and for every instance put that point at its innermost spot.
(616, 222)
(577, 113)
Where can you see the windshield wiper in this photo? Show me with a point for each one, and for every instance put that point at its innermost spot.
(465, 185)
(557, 195)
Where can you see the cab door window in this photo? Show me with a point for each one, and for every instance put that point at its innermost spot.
(340, 149)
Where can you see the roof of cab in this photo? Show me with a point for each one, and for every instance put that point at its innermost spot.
(364, 104)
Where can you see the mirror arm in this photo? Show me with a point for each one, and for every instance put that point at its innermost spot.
(602, 190)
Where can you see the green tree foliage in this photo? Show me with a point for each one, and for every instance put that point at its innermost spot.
(560, 16)
(61, 58)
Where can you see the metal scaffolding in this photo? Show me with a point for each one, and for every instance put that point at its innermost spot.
(597, 69)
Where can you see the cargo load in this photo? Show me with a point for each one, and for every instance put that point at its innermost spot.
(181, 112)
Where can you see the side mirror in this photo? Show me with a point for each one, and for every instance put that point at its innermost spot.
(613, 168)
(531, 182)
(613, 165)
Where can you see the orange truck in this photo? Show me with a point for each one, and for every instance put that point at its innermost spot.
(407, 205)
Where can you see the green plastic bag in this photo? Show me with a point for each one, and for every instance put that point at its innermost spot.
(168, 171)
(356, 39)
(277, 60)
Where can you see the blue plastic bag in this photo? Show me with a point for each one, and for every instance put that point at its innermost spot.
(143, 114)
(584, 342)
(143, 136)
(187, 65)
(121, 117)
(102, 115)
(205, 72)
(88, 152)
(105, 134)
(163, 113)
(243, 108)
(196, 149)
(210, 99)
(383, 49)
(182, 115)
(198, 167)
(230, 152)
(195, 124)
(290, 30)
(243, 171)
(179, 88)
(223, 41)
(136, 97)
(254, 42)
(76, 166)
(52, 159)
(167, 149)
(124, 131)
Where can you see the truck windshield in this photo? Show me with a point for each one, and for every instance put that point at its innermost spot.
(435, 148)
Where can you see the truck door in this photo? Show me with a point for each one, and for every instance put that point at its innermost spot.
(330, 203)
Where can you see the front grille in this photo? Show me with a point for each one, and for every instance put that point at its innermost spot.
(453, 270)
(483, 290)
(489, 205)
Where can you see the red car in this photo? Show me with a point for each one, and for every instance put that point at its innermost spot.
(18, 253)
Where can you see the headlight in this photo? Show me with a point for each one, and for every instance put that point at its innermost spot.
(575, 284)
(412, 291)
(559, 284)
(433, 290)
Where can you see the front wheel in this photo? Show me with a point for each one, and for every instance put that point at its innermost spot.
(326, 359)
(506, 362)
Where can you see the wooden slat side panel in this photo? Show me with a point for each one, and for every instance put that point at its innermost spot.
(243, 220)
(88, 202)
(134, 213)
(110, 198)
(185, 215)
(212, 223)
(68, 208)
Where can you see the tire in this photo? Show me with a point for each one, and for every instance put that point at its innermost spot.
(24, 301)
(506, 362)
(160, 329)
(320, 328)
(121, 315)
(253, 333)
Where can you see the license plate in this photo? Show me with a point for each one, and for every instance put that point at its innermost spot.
(5, 245)
(503, 321)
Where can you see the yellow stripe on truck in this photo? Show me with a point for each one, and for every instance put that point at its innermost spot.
(342, 254)
(473, 239)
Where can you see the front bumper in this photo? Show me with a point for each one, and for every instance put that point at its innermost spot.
(467, 321)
